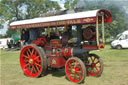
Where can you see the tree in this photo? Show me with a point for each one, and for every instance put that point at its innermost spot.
(10, 32)
(12, 10)
(36, 7)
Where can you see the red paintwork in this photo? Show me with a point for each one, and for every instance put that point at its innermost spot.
(40, 41)
(67, 52)
(27, 55)
(57, 62)
(102, 46)
(107, 16)
(90, 47)
(56, 43)
(89, 33)
(57, 52)
(94, 46)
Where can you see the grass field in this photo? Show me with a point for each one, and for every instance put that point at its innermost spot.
(115, 70)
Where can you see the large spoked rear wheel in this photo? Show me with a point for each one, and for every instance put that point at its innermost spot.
(33, 61)
(95, 65)
(75, 70)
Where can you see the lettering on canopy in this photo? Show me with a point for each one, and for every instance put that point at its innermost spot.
(56, 23)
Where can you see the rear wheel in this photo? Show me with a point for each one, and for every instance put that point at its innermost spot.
(33, 61)
(95, 65)
(75, 70)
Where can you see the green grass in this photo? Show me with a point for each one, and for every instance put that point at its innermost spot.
(115, 70)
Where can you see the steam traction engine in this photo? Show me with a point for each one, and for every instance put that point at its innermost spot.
(69, 52)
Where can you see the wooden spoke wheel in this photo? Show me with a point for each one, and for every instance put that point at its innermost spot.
(75, 70)
(95, 65)
(33, 61)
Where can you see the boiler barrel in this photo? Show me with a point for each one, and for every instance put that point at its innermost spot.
(70, 52)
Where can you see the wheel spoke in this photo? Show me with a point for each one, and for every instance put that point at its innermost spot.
(97, 62)
(79, 71)
(37, 68)
(70, 65)
(31, 69)
(37, 64)
(26, 65)
(29, 51)
(25, 60)
(92, 70)
(93, 59)
(32, 51)
(96, 69)
(38, 61)
(79, 75)
(75, 76)
(25, 56)
(28, 54)
(34, 69)
(35, 53)
(75, 64)
(36, 57)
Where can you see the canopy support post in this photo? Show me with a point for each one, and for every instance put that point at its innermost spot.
(103, 28)
(97, 31)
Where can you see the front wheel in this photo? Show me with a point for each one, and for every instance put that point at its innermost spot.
(94, 66)
(75, 70)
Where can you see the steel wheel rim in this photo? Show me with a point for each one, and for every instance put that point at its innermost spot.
(94, 66)
(74, 71)
(31, 61)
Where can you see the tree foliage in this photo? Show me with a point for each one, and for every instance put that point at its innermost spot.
(70, 4)
(12, 10)
(36, 7)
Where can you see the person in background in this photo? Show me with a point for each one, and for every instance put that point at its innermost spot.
(24, 38)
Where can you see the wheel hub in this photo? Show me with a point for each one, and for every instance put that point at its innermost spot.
(73, 70)
(30, 61)
(93, 65)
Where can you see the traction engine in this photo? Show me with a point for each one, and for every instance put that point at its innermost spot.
(64, 50)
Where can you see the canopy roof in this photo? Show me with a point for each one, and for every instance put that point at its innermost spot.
(61, 20)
